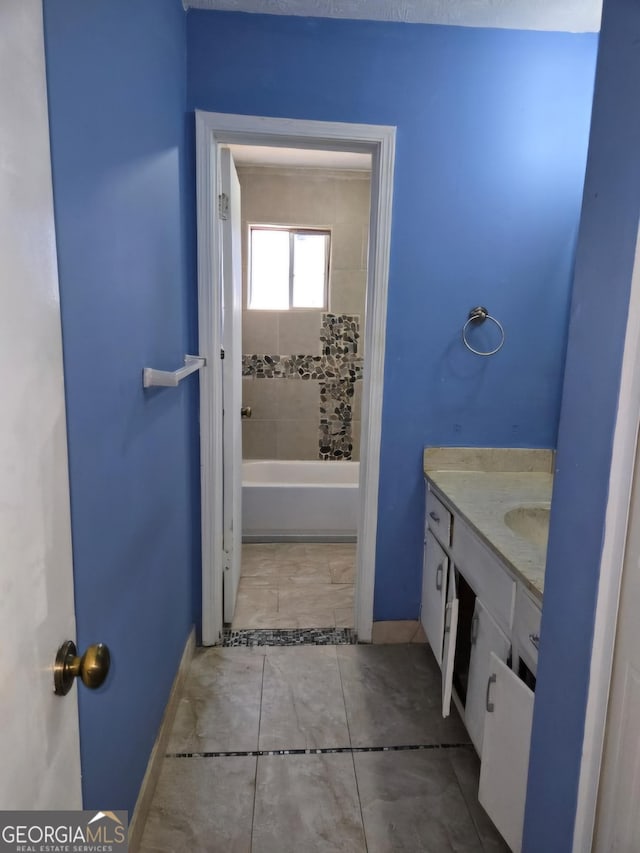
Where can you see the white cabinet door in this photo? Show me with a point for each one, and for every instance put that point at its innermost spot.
(505, 751)
(486, 638)
(449, 644)
(434, 588)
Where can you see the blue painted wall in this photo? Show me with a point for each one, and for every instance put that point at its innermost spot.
(117, 89)
(491, 149)
(599, 309)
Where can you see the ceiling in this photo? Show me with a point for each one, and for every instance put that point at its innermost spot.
(559, 15)
(299, 158)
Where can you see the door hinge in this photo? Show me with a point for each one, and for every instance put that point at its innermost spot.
(222, 353)
(223, 206)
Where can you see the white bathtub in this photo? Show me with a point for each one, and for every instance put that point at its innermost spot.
(299, 500)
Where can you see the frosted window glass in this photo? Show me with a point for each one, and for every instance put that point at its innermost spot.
(269, 270)
(289, 268)
(309, 270)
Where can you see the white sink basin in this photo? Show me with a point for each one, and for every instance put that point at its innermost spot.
(531, 521)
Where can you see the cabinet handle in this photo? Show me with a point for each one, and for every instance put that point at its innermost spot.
(434, 516)
(439, 571)
(474, 628)
(492, 680)
(447, 610)
(534, 639)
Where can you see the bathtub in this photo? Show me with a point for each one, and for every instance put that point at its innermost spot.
(299, 500)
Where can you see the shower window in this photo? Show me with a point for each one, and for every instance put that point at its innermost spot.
(289, 268)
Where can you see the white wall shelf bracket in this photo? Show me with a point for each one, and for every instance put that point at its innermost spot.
(171, 378)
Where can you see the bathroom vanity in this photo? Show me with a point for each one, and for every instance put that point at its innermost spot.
(485, 537)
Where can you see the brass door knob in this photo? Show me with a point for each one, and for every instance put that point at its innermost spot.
(245, 411)
(92, 667)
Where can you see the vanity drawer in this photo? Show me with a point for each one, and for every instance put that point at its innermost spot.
(484, 573)
(438, 519)
(526, 628)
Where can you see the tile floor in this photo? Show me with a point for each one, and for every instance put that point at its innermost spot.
(296, 585)
(314, 733)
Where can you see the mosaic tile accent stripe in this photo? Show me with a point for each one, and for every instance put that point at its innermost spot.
(336, 416)
(258, 753)
(288, 637)
(301, 367)
(337, 369)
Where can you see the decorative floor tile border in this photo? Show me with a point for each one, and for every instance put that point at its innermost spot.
(350, 750)
(288, 637)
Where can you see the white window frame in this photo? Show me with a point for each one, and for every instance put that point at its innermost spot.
(292, 230)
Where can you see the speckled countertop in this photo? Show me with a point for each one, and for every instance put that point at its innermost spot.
(482, 497)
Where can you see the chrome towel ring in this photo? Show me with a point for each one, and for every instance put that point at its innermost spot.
(479, 315)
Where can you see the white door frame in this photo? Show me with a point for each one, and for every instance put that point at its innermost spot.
(611, 565)
(213, 130)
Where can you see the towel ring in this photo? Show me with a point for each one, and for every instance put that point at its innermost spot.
(479, 315)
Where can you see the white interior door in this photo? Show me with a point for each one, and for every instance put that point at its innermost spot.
(231, 228)
(505, 751)
(618, 816)
(39, 741)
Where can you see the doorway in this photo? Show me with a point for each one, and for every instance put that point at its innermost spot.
(215, 132)
(305, 217)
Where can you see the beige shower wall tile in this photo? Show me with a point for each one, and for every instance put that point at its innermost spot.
(353, 199)
(299, 332)
(356, 427)
(299, 399)
(294, 198)
(344, 617)
(357, 400)
(263, 398)
(282, 399)
(347, 293)
(259, 439)
(261, 197)
(297, 439)
(347, 246)
(309, 201)
(260, 332)
(304, 196)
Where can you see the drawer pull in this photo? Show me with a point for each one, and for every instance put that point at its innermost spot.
(474, 628)
(434, 516)
(439, 571)
(492, 680)
(534, 639)
(447, 610)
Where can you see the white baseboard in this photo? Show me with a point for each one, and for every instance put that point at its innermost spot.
(154, 766)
